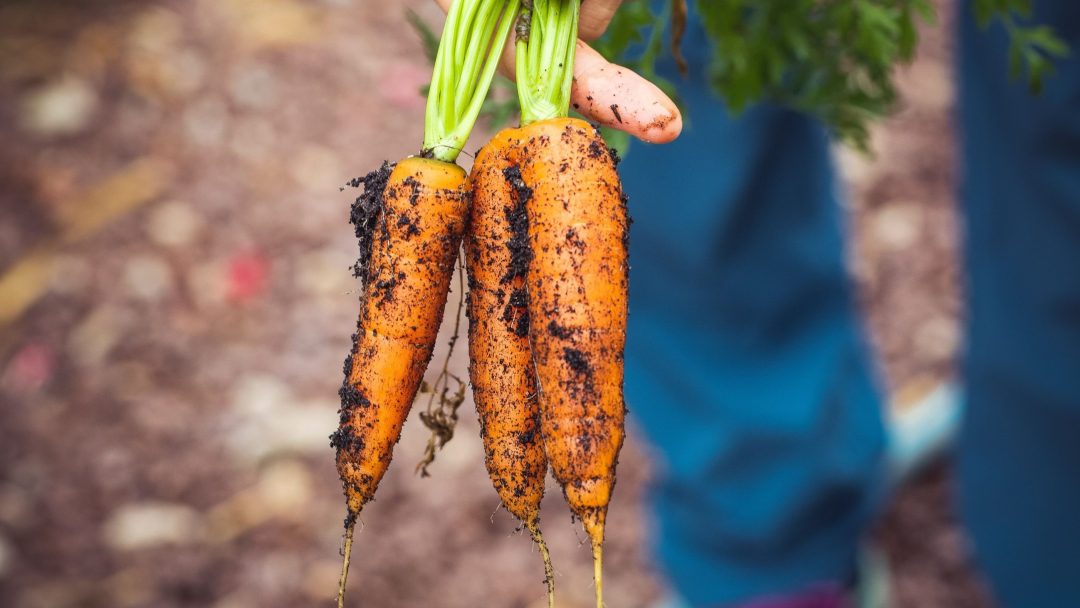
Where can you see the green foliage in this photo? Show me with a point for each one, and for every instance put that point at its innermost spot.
(831, 58)
(1032, 48)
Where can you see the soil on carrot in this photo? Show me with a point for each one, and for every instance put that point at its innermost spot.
(366, 211)
(520, 250)
(577, 361)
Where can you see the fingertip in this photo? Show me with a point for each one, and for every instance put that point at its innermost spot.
(619, 98)
(663, 129)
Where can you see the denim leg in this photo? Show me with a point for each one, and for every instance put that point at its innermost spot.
(1019, 453)
(746, 366)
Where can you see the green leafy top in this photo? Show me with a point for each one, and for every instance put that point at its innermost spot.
(465, 62)
(546, 44)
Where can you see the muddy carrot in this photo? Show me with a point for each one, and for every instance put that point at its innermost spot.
(410, 221)
(577, 227)
(501, 368)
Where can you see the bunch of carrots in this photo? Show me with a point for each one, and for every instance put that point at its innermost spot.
(544, 225)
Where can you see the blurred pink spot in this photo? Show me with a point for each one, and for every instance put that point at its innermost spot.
(248, 277)
(31, 368)
(401, 83)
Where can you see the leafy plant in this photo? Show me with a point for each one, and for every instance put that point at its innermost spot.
(833, 59)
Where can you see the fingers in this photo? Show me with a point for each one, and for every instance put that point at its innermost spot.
(616, 97)
(595, 16)
(619, 98)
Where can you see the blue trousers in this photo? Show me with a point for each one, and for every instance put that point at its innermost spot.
(1019, 456)
(748, 372)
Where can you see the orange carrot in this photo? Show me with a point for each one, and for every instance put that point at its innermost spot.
(501, 369)
(410, 233)
(577, 276)
(577, 285)
(410, 222)
(418, 224)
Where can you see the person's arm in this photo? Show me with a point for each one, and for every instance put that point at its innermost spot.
(607, 93)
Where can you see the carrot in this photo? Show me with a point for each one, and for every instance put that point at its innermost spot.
(577, 282)
(577, 276)
(410, 222)
(413, 248)
(418, 220)
(501, 369)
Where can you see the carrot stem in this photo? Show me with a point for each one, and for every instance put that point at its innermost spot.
(545, 59)
(465, 65)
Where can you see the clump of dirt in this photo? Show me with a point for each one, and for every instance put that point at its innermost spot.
(577, 361)
(365, 211)
(596, 149)
(615, 158)
(516, 312)
(559, 331)
(352, 399)
(520, 252)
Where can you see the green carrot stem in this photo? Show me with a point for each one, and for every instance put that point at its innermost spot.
(545, 59)
(465, 65)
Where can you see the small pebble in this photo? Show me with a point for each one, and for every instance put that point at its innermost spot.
(149, 524)
(174, 224)
(254, 87)
(265, 418)
(898, 225)
(285, 488)
(63, 107)
(148, 277)
(324, 273)
(206, 121)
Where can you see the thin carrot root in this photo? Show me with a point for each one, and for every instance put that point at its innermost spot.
(549, 570)
(441, 415)
(346, 558)
(598, 575)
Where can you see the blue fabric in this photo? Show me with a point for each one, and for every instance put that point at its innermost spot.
(1019, 456)
(746, 368)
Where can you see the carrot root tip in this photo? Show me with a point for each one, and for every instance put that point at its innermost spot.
(346, 554)
(549, 569)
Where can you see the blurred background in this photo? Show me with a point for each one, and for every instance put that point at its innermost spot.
(175, 304)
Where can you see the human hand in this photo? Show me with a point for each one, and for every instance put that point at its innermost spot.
(610, 94)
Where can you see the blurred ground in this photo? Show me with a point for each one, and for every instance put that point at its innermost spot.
(175, 305)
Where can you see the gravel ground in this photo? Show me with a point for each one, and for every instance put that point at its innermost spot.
(175, 305)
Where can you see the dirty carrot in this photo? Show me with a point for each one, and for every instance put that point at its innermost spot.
(410, 220)
(577, 227)
(501, 368)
